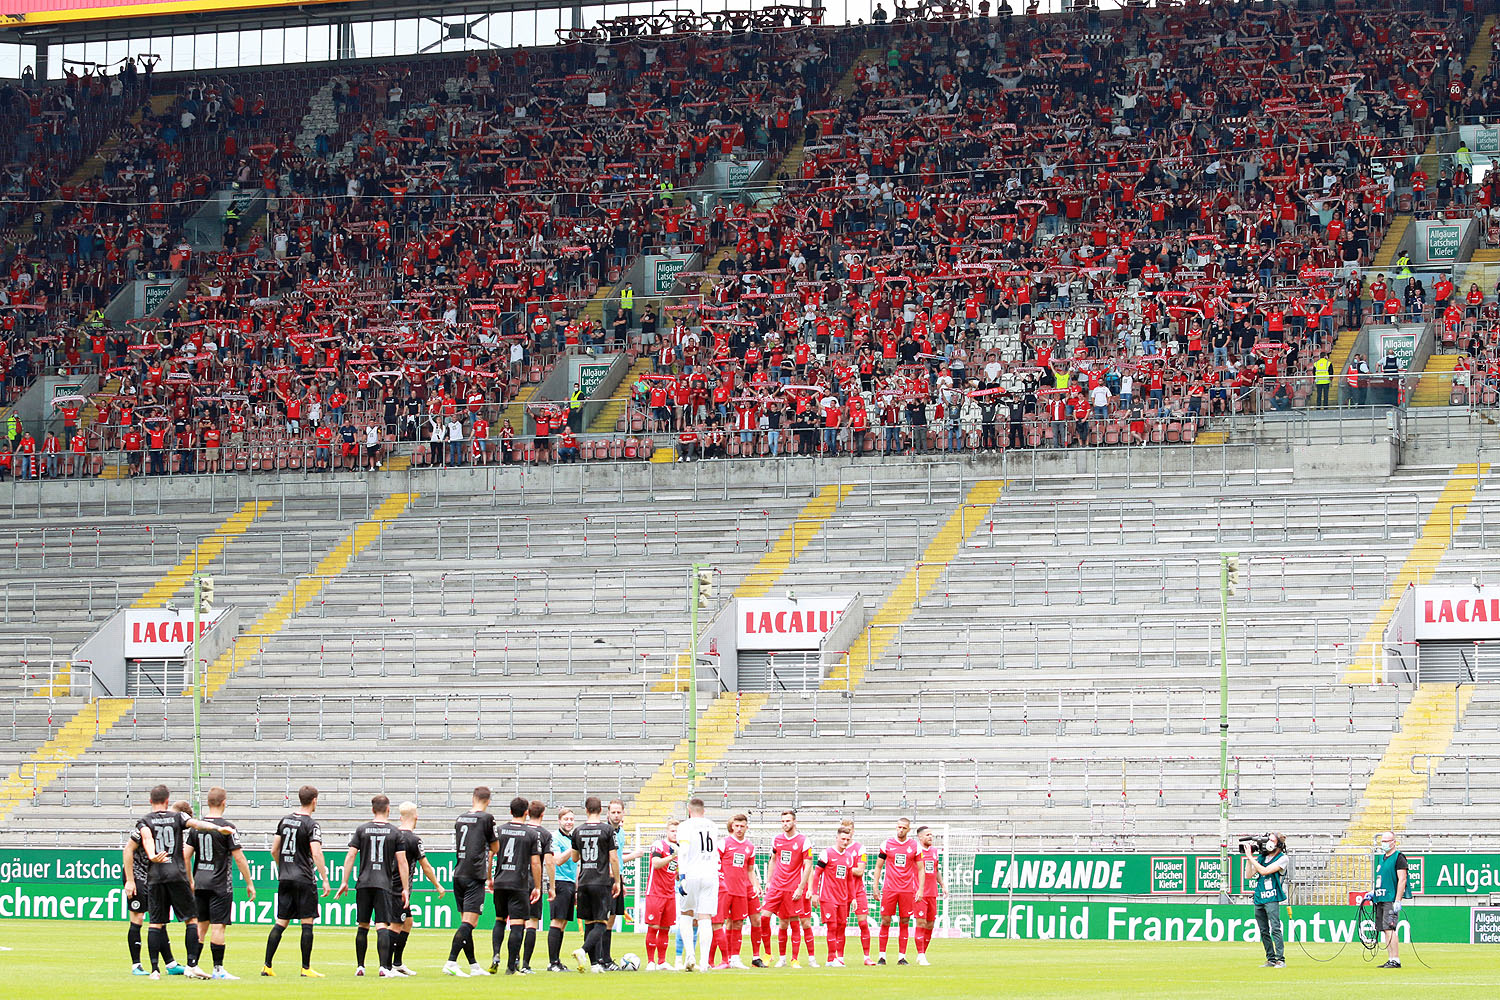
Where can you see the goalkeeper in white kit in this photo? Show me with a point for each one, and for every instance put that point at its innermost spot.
(699, 845)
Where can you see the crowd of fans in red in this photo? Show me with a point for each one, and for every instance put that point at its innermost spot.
(1003, 232)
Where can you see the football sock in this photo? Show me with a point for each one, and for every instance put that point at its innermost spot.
(361, 944)
(796, 941)
(457, 944)
(218, 953)
(685, 929)
(469, 946)
(901, 937)
(781, 940)
(156, 943)
(497, 936)
(383, 946)
(606, 939)
(807, 938)
(554, 945)
(307, 939)
(885, 938)
(529, 947)
(590, 941)
(192, 944)
(705, 940)
(513, 946)
(272, 942)
(398, 950)
(864, 936)
(133, 942)
(733, 938)
(924, 935)
(720, 946)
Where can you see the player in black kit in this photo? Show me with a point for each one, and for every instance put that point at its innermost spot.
(137, 869)
(517, 882)
(534, 813)
(474, 843)
(382, 867)
(298, 851)
(594, 848)
(401, 894)
(209, 855)
(163, 836)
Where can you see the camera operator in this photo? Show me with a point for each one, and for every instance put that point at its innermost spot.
(1391, 887)
(1267, 862)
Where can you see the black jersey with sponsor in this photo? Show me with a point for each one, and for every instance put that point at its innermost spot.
(298, 832)
(519, 843)
(544, 846)
(140, 865)
(213, 853)
(408, 841)
(169, 832)
(594, 843)
(473, 833)
(378, 842)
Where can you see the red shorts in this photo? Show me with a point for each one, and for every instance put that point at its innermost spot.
(834, 914)
(890, 902)
(927, 908)
(861, 902)
(661, 911)
(732, 909)
(781, 904)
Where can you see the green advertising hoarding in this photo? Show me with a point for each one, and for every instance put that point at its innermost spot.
(590, 376)
(1100, 874)
(88, 885)
(1202, 922)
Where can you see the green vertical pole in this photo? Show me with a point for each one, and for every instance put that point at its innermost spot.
(197, 699)
(693, 689)
(1224, 559)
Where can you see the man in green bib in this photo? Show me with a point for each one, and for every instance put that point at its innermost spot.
(1268, 868)
(1391, 887)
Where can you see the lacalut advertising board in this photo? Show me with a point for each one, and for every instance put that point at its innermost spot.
(773, 623)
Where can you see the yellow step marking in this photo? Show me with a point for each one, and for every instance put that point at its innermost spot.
(614, 406)
(1433, 389)
(202, 555)
(728, 714)
(79, 733)
(96, 718)
(1428, 722)
(1421, 562)
(916, 584)
(793, 539)
(1211, 437)
(303, 591)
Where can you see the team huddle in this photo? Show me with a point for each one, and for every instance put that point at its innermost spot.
(702, 882)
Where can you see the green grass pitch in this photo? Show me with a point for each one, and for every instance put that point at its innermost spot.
(58, 959)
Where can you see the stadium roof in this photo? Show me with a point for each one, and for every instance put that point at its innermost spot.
(92, 20)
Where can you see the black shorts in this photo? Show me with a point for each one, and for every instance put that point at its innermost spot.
(172, 897)
(619, 908)
(142, 898)
(595, 902)
(1385, 916)
(214, 905)
(512, 904)
(296, 901)
(566, 901)
(468, 894)
(372, 902)
(400, 910)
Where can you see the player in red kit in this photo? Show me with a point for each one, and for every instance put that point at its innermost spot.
(859, 899)
(737, 884)
(898, 872)
(786, 895)
(661, 899)
(831, 895)
(927, 902)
